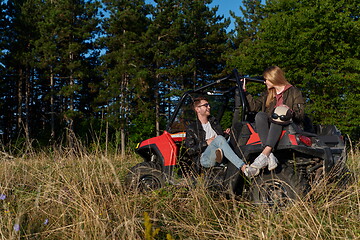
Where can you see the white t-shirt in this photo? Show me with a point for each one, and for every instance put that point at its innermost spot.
(209, 131)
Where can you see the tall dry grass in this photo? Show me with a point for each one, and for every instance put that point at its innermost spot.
(69, 194)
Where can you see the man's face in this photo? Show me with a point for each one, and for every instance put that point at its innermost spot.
(203, 108)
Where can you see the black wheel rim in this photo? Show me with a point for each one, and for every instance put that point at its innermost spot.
(149, 182)
(274, 193)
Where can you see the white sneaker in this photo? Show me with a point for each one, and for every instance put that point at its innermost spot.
(260, 162)
(251, 171)
(273, 162)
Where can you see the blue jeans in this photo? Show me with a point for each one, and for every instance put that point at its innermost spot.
(208, 157)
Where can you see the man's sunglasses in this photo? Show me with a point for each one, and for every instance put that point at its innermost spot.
(204, 105)
(282, 117)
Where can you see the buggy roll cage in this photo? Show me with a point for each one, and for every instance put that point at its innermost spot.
(233, 77)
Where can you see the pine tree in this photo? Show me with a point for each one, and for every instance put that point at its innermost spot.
(161, 38)
(202, 40)
(4, 26)
(187, 44)
(67, 29)
(124, 79)
(316, 44)
(19, 62)
(245, 37)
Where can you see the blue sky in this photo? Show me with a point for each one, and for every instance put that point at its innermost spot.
(225, 6)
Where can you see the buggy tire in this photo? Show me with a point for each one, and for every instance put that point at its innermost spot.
(144, 177)
(278, 189)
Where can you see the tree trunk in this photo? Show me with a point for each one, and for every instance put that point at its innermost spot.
(71, 97)
(122, 142)
(52, 109)
(106, 136)
(27, 106)
(19, 101)
(123, 112)
(123, 102)
(157, 106)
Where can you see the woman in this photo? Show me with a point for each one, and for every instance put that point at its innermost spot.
(280, 95)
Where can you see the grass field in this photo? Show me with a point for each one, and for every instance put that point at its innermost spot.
(72, 194)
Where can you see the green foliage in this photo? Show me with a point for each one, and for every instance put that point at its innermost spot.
(46, 70)
(59, 71)
(313, 43)
(141, 128)
(226, 120)
(124, 77)
(150, 233)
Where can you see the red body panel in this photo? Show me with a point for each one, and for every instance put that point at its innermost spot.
(166, 146)
(293, 139)
(255, 139)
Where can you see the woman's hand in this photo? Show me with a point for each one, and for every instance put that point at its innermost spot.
(244, 84)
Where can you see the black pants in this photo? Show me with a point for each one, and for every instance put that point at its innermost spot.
(269, 133)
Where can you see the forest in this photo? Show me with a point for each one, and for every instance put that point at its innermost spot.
(83, 81)
(108, 70)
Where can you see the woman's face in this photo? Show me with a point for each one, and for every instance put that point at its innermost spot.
(268, 84)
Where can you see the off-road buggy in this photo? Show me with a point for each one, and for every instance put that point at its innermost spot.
(306, 154)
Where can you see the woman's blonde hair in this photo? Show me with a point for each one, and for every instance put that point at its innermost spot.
(276, 76)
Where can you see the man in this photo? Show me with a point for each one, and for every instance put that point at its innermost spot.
(205, 137)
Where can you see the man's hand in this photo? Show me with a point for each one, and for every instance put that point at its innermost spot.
(210, 140)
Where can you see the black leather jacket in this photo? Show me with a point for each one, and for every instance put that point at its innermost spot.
(195, 136)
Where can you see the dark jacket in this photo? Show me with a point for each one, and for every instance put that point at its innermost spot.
(195, 136)
(292, 97)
